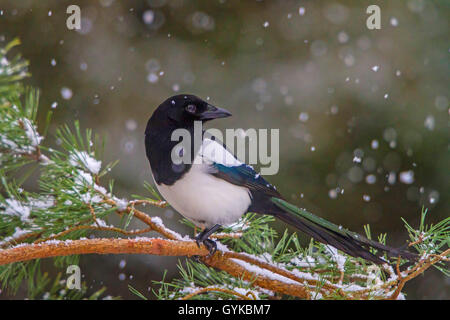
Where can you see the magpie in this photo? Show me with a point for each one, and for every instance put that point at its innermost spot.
(214, 189)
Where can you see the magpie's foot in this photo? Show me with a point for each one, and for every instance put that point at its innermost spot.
(199, 238)
(211, 245)
(202, 237)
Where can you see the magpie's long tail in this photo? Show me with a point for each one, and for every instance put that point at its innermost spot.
(328, 233)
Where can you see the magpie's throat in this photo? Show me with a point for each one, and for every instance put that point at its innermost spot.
(159, 146)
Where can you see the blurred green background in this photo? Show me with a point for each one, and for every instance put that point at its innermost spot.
(337, 91)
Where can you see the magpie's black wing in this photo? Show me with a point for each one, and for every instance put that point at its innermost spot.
(224, 165)
(244, 175)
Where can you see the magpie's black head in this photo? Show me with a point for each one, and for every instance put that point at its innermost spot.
(183, 109)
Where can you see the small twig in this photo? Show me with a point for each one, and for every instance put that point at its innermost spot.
(156, 203)
(19, 239)
(91, 209)
(224, 235)
(341, 277)
(397, 268)
(160, 228)
(100, 228)
(418, 241)
(418, 269)
(209, 289)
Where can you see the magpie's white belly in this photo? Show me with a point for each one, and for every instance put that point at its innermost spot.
(205, 199)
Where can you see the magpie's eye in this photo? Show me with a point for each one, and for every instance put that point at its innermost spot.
(191, 108)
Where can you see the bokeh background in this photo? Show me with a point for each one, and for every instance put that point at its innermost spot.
(363, 114)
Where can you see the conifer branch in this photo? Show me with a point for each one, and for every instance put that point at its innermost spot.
(274, 278)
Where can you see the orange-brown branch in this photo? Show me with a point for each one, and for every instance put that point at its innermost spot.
(55, 248)
(292, 288)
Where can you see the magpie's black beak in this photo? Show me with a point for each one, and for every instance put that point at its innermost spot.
(212, 112)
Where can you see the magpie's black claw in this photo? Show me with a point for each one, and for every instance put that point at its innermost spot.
(202, 237)
(211, 245)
